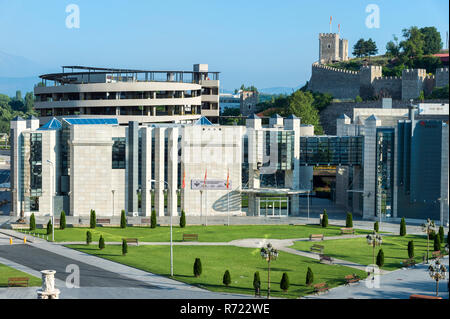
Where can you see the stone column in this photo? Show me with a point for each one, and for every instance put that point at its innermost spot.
(172, 171)
(146, 171)
(159, 170)
(48, 290)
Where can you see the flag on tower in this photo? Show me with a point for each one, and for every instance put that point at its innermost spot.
(331, 18)
(228, 179)
(339, 28)
(204, 181)
(183, 184)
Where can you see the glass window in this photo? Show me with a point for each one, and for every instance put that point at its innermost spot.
(118, 153)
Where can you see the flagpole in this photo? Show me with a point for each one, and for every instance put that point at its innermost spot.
(228, 206)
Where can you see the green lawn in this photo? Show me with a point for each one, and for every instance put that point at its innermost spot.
(8, 272)
(241, 262)
(206, 233)
(395, 249)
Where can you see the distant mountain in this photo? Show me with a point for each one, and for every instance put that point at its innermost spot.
(280, 90)
(19, 73)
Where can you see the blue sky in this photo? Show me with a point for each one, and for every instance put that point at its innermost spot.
(261, 43)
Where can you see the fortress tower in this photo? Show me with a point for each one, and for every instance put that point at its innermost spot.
(331, 48)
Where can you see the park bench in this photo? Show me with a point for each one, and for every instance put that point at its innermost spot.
(145, 220)
(351, 279)
(317, 248)
(320, 287)
(346, 230)
(326, 259)
(423, 297)
(190, 237)
(104, 221)
(409, 262)
(316, 236)
(132, 241)
(436, 254)
(18, 282)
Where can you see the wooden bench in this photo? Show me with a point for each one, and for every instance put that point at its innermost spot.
(18, 281)
(346, 230)
(326, 258)
(349, 279)
(423, 297)
(409, 262)
(190, 237)
(320, 287)
(436, 254)
(317, 248)
(132, 241)
(103, 221)
(316, 236)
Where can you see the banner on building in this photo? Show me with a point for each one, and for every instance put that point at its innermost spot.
(211, 184)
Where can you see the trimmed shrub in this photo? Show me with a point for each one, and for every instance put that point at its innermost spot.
(49, 227)
(101, 242)
(153, 220)
(226, 278)
(123, 219)
(88, 237)
(183, 219)
(376, 227)
(437, 243)
(403, 227)
(32, 222)
(93, 221)
(441, 234)
(197, 267)
(256, 281)
(124, 247)
(380, 258)
(284, 284)
(448, 238)
(411, 249)
(62, 220)
(309, 277)
(349, 220)
(325, 219)
(432, 234)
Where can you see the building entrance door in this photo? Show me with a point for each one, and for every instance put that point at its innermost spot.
(273, 206)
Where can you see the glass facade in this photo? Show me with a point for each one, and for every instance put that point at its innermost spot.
(118, 153)
(384, 172)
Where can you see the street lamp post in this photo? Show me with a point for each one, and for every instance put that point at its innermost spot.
(113, 201)
(437, 271)
(374, 240)
(269, 253)
(171, 237)
(51, 202)
(428, 227)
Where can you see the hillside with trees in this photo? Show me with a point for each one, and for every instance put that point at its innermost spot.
(10, 107)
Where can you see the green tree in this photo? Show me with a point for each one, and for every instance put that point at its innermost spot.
(256, 281)
(403, 227)
(197, 267)
(32, 222)
(88, 237)
(309, 277)
(62, 220)
(393, 48)
(93, 220)
(226, 278)
(153, 219)
(182, 219)
(359, 49)
(301, 105)
(29, 102)
(376, 227)
(380, 258)
(432, 40)
(421, 96)
(441, 234)
(411, 249)
(413, 44)
(371, 47)
(325, 219)
(284, 284)
(124, 247)
(123, 219)
(49, 227)
(349, 220)
(101, 243)
(437, 243)
(358, 99)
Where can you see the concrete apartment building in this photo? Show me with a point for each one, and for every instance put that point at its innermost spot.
(389, 162)
(129, 95)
